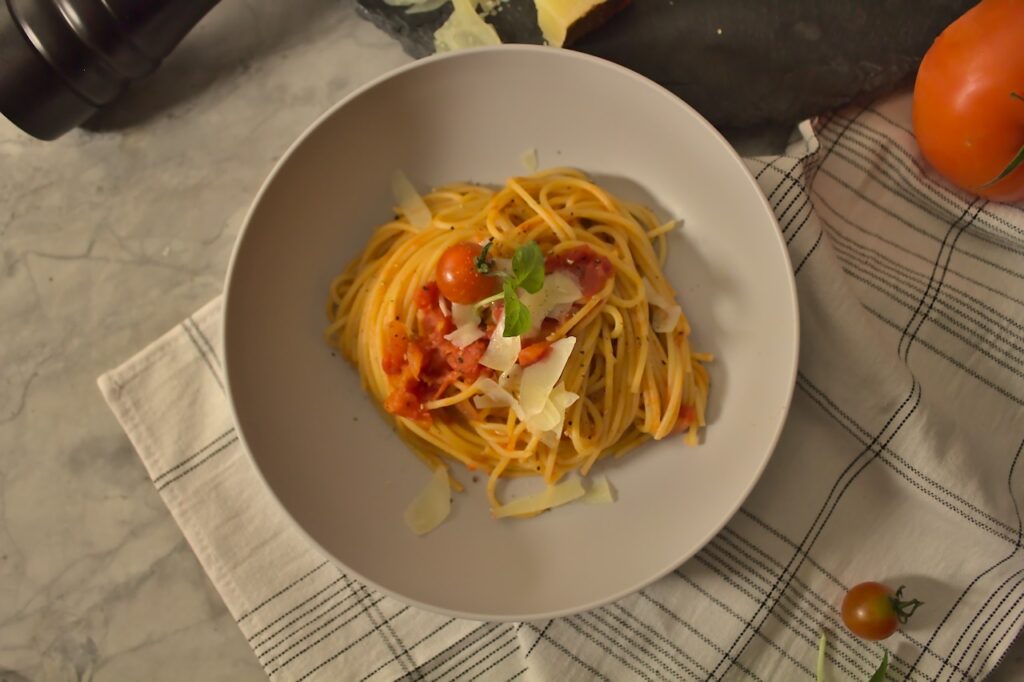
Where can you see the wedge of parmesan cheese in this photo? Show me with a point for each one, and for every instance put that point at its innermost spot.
(564, 21)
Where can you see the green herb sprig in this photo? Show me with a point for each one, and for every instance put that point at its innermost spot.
(527, 274)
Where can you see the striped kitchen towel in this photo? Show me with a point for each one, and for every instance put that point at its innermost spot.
(899, 462)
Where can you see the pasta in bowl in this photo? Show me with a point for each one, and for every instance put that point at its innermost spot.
(582, 261)
(524, 331)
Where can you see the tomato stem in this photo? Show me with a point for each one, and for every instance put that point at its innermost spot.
(904, 608)
(1014, 162)
(482, 264)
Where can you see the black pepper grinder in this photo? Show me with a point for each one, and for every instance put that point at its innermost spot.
(62, 60)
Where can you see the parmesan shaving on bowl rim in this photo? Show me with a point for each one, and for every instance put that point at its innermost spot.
(431, 506)
(409, 201)
(549, 498)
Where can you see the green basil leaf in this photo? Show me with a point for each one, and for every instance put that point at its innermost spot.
(528, 267)
(517, 315)
(879, 675)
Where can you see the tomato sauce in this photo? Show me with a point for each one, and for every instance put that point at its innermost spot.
(590, 269)
(422, 368)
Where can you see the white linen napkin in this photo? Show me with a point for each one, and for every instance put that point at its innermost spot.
(899, 462)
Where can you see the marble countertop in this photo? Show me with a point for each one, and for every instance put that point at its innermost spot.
(108, 237)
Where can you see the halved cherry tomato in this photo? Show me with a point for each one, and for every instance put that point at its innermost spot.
(458, 278)
(969, 100)
(874, 611)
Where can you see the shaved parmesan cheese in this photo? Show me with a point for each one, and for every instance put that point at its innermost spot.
(503, 265)
(550, 497)
(540, 378)
(433, 504)
(467, 325)
(464, 28)
(529, 159)
(410, 203)
(600, 492)
(493, 395)
(549, 423)
(509, 379)
(545, 420)
(562, 398)
(666, 313)
(442, 303)
(502, 352)
(559, 290)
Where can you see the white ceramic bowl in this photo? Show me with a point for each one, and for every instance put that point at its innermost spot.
(329, 456)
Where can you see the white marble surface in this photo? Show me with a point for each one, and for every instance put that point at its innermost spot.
(108, 238)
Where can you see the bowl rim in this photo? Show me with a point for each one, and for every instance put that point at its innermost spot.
(473, 53)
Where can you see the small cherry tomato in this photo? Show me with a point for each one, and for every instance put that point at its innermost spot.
(874, 611)
(458, 277)
(969, 101)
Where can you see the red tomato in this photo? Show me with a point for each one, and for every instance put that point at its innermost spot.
(433, 324)
(396, 342)
(457, 276)
(687, 416)
(874, 611)
(423, 367)
(406, 400)
(589, 268)
(535, 352)
(465, 361)
(968, 122)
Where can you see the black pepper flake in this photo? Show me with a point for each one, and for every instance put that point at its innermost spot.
(475, 479)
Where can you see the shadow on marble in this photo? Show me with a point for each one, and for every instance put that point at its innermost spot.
(225, 44)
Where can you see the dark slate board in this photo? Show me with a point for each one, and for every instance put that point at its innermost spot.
(773, 61)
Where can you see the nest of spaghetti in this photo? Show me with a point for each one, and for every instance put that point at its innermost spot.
(522, 331)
